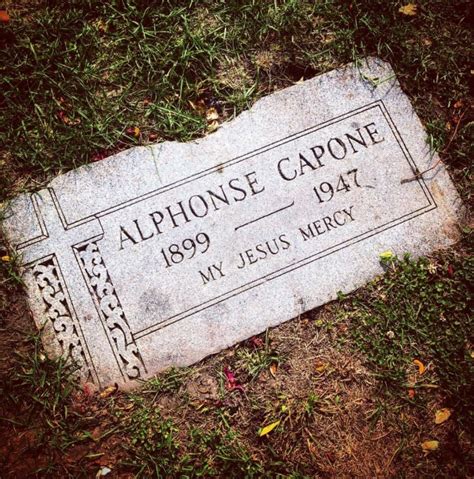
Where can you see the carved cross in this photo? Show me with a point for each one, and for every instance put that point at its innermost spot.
(65, 267)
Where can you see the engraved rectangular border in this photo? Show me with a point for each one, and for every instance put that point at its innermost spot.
(313, 257)
(177, 317)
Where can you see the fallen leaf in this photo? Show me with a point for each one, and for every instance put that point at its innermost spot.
(6, 259)
(458, 104)
(386, 255)
(421, 366)
(134, 131)
(409, 9)
(320, 366)
(256, 342)
(103, 471)
(4, 17)
(232, 382)
(442, 415)
(108, 391)
(411, 393)
(264, 431)
(212, 114)
(199, 106)
(66, 120)
(428, 446)
(213, 126)
(99, 156)
(88, 389)
(273, 369)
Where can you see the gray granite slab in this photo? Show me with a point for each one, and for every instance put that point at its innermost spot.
(162, 255)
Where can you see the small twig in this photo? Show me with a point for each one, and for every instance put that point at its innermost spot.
(455, 131)
(419, 174)
(381, 436)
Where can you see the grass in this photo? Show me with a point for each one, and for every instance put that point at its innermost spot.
(420, 310)
(40, 391)
(84, 80)
(258, 356)
(152, 441)
(77, 81)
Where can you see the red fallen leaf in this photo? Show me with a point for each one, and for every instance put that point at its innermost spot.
(451, 270)
(232, 383)
(4, 17)
(82, 398)
(256, 342)
(99, 156)
(88, 390)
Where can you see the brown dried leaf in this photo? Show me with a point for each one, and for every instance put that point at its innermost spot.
(320, 366)
(199, 106)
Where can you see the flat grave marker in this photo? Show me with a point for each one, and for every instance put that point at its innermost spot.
(162, 255)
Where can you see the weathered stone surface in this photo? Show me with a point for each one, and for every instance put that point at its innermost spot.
(161, 255)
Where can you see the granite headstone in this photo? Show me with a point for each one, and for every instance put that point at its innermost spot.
(161, 255)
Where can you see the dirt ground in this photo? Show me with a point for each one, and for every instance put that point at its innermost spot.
(336, 418)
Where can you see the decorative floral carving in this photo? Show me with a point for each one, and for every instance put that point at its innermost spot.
(110, 310)
(58, 309)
